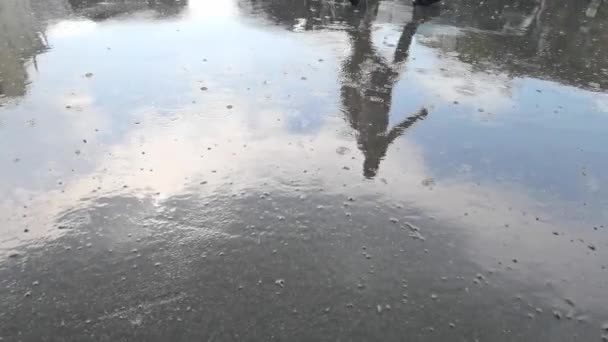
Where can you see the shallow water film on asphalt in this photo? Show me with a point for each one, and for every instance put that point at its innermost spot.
(303, 170)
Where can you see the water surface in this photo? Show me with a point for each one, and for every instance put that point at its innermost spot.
(303, 170)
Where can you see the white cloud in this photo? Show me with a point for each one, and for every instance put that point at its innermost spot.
(71, 28)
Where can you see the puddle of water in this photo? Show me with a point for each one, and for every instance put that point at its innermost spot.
(303, 170)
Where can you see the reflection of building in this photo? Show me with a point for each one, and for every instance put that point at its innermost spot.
(554, 40)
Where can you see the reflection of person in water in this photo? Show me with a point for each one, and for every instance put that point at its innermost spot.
(368, 81)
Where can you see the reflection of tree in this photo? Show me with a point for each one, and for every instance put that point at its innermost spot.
(20, 41)
(104, 9)
(545, 39)
(305, 14)
(23, 23)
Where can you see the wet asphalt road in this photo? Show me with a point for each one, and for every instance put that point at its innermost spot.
(264, 170)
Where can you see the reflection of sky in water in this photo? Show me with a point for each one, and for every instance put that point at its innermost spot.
(504, 129)
(519, 127)
(149, 126)
(239, 66)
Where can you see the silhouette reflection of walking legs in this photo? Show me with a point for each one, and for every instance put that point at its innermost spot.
(367, 85)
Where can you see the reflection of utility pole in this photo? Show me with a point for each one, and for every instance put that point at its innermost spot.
(367, 86)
